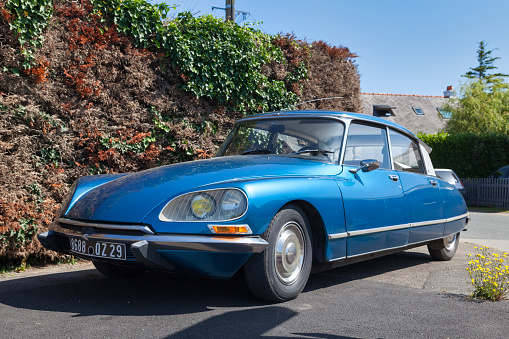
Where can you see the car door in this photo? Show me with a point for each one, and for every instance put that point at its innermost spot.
(423, 200)
(374, 203)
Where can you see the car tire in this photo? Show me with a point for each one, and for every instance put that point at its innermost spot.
(280, 273)
(444, 249)
(117, 271)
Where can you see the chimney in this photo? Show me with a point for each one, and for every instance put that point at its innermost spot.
(449, 92)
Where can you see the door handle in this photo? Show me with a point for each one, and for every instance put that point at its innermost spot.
(393, 177)
(434, 183)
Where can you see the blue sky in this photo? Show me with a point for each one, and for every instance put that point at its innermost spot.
(404, 47)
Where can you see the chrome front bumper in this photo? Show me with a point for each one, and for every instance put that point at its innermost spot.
(145, 245)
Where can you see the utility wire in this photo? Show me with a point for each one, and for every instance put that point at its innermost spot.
(196, 3)
(306, 102)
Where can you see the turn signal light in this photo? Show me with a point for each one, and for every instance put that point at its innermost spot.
(242, 229)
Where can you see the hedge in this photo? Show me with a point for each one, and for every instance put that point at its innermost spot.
(469, 155)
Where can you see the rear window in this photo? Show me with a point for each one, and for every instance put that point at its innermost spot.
(447, 176)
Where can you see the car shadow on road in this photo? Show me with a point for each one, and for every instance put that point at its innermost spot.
(366, 269)
(88, 293)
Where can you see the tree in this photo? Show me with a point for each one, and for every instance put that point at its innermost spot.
(485, 64)
(480, 108)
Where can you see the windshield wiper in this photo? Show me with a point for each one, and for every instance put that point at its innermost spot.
(315, 150)
(256, 151)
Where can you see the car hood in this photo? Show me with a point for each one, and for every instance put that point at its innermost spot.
(131, 197)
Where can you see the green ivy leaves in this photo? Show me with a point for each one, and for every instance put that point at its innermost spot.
(136, 18)
(219, 60)
(30, 19)
(223, 61)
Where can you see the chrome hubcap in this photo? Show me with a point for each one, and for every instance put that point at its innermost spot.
(449, 242)
(289, 253)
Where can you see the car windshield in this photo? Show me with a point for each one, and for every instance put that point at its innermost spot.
(310, 138)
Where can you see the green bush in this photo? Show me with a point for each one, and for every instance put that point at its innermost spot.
(136, 18)
(469, 155)
(223, 61)
(216, 59)
(30, 18)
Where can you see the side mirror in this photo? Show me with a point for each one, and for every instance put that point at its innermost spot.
(367, 165)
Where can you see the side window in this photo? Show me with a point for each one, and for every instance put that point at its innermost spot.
(366, 142)
(405, 153)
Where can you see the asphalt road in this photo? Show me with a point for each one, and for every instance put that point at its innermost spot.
(405, 295)
(489, 229)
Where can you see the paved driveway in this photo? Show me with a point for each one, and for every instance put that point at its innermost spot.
(405, 295)
(489, 229)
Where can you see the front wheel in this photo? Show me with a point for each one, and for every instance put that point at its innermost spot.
(281, 271)
(444, 249)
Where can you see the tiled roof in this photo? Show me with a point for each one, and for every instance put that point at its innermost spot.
(429, 122)
(407, 95)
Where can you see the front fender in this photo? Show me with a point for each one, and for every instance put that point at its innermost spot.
(265, 198)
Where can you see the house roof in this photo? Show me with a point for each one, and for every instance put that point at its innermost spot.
(402, 106)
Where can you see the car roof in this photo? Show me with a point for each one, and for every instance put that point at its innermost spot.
(330, 114)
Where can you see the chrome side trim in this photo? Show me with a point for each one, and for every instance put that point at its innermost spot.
(382, 250)
(466, 215)
(144, 229)
(428, 223)
(402, 226)
(380, 229)
(390, 228)
(338, 236)
(433, 239)
(336, 259)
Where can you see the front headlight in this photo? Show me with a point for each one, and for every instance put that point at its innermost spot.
(203, 206)
(211, 205)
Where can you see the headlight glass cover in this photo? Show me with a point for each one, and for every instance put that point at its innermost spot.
(211, 205)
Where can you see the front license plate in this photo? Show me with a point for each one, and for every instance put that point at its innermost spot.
(98, 249)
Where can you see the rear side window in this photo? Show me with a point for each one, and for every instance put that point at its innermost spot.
(366, 142)
(447, 176)
(405, 153)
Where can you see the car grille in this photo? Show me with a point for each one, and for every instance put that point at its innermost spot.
(98, 227)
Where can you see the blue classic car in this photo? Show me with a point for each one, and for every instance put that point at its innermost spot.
(287, 192)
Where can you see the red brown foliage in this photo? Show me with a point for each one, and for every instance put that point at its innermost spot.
(39, 72)
(99, 86)
(5, 14)
(340, 52)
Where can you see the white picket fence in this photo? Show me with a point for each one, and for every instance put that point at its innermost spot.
(487, 192)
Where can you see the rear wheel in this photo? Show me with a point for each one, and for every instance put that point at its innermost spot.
(117, 271)
(281, 271)
(444, 249)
